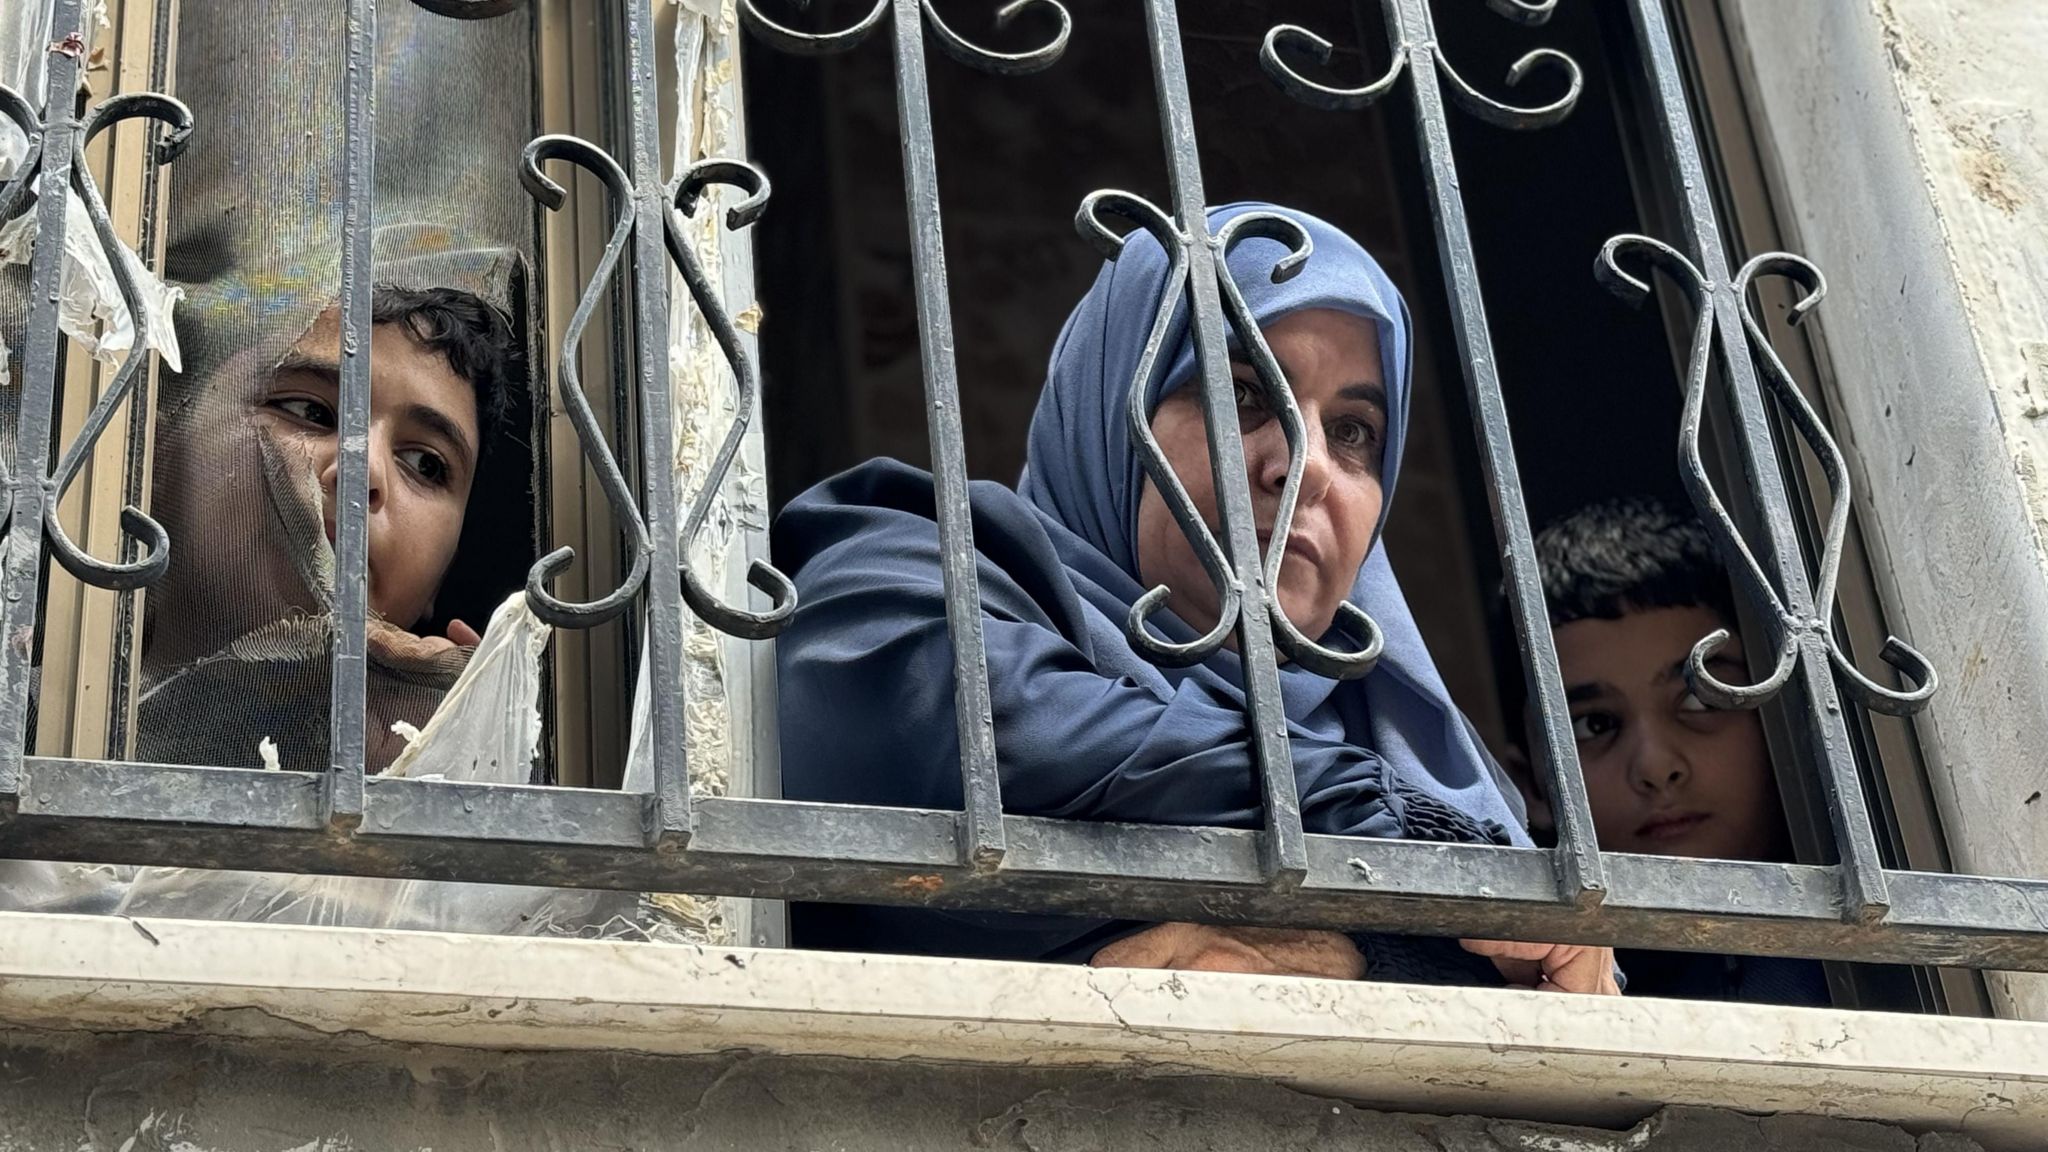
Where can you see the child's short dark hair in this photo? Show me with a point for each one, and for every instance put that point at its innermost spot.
(475, 336)
(1632, 554)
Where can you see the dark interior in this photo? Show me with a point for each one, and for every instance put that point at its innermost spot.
(1590, 385)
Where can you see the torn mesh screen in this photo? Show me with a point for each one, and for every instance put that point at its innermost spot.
(237, 634)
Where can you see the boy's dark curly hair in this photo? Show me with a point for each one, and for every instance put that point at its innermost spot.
(475, 336)
(1633, 554)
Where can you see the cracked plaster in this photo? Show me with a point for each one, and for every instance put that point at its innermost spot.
(200, 1094)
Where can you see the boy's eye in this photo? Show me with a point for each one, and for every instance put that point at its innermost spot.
(303, 409)
(1691, 703)
(1592, 726)
(1249, 395)
(426, 464)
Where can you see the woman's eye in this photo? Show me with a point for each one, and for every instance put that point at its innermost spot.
(303, 409)
(427, 465)
(1592, 726)
(1354, 434)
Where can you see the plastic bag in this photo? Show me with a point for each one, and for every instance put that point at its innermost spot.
(487, 728)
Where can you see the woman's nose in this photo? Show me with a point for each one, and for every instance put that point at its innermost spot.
(1265, 451)
(1270, 458)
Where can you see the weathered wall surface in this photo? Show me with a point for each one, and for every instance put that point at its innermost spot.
(189, 1094)
(1910, 139)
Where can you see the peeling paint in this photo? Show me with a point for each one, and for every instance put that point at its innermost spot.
(1975, 96)
(705, 403)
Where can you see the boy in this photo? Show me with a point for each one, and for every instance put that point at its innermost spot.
(1632, 586)
(248, 491)
(441, 363)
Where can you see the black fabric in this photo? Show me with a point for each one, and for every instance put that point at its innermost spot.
(1710, 976)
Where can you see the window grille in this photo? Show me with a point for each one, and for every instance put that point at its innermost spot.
(348, 821)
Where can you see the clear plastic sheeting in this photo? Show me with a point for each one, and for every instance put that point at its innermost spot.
(486, 731)
(235, 659)
(89, 305)
(347, 902)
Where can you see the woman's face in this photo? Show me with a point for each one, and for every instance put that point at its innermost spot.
(1332, 361)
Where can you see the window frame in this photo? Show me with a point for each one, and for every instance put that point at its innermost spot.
(961, 859)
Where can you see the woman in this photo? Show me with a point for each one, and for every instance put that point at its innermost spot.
(1085, 727)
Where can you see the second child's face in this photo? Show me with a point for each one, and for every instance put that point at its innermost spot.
(1665, 774)
(423, 449)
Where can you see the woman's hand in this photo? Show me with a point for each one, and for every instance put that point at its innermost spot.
(1551, 967)
(1265, 951)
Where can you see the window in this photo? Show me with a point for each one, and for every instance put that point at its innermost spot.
(1472, 191)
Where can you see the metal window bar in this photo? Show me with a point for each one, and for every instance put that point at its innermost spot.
(343, 822)
(342, 786)
(1412, 33)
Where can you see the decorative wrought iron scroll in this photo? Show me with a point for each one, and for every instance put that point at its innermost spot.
(589, 434)
(764, 576)
(138, 525)
(1341, 665)
(1791, 630)
(1351, 620)
(469, 9)
(1088, 221)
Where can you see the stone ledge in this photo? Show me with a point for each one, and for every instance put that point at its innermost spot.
(1493, 1052)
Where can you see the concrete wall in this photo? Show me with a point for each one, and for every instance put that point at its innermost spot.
(1910, 142)
(88, 1093)
(369, 1032)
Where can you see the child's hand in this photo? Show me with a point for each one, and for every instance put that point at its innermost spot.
(1551, 967)
(1265, 951)
(396, 644)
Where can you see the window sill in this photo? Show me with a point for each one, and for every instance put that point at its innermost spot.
(1485, 1051)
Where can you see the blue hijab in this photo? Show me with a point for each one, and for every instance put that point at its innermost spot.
(1085, 727)
(1082, 471)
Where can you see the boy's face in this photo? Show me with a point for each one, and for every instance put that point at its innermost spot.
(1665, 774)
(423, 451)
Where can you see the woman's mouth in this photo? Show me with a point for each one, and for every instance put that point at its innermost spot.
(1299, 546)
(1671, 825)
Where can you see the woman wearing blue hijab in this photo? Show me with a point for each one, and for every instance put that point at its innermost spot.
(1086, 728)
